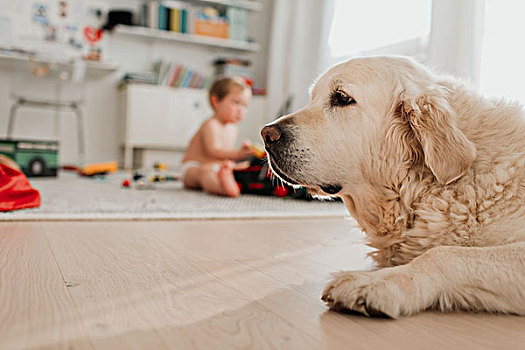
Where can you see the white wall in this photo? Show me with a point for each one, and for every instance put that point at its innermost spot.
(100, 94)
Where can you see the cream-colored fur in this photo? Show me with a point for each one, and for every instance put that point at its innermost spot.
(431, 170)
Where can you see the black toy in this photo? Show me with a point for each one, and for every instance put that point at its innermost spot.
(257, 179)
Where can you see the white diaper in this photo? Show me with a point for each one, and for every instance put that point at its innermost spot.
(190, 164)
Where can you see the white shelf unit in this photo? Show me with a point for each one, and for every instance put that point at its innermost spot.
(149, 33)
(154, 33)
(93, 68)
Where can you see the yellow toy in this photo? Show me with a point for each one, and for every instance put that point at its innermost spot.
(258, 151)
(99, 168)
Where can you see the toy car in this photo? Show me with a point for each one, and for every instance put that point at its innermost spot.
(35, 158)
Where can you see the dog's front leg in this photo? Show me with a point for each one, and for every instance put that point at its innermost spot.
(467, 278)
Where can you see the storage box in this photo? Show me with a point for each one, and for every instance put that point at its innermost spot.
(35, 158)
(215, 29)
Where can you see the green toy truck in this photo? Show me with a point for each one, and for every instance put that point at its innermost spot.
(35, 158)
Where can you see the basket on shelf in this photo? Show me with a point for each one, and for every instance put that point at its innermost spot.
(216, 29)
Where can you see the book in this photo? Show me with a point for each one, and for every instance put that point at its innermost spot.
(184, 20)
(163, 17)
(171, 74)
(191, 16)
(193, 80)
(181, 76)
(175, 23)
(180, 10)
(174, 74)
(160, 67)
(187, 78)
(153, 14)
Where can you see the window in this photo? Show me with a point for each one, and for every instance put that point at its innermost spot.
(360, 26)
(503, 58)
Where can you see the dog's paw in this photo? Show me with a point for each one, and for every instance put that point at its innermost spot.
(371, 293)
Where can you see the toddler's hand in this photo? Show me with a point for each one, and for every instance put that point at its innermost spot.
(241, 165)
(246, 150)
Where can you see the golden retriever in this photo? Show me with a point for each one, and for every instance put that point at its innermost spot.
(431, 170)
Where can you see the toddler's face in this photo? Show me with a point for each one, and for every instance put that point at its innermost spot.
(232, 108)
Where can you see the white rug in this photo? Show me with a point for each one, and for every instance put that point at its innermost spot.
(71, 197)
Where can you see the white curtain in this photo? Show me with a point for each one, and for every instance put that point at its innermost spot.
(299, 36)
(502, 64)
(456, 37)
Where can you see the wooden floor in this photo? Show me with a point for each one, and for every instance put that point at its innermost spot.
(204, 284)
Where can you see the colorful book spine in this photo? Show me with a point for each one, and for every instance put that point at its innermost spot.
(163, 17)
(174, 75)
(166, 74)
(181, 77)
(187, 79)
(153, 15)
(175, 20)
(184, 20)
(193, 81)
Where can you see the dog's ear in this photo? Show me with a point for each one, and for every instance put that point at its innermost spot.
(447, 151)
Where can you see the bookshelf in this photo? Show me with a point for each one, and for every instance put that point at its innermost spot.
(192, 21)
(152, 33)
(252, 5)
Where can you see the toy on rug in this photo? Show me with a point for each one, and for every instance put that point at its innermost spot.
(254, 179)
(94, 169)
(15, 190)
(145, 179)
(99, 169)
(34, 158)
(257, 179)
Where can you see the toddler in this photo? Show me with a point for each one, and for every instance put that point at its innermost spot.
(210, 158)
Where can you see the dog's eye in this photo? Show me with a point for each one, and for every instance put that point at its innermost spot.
(340, 98)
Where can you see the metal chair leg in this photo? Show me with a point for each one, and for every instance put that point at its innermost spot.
(72, 106)
(80, 132)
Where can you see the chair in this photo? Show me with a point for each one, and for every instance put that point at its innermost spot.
(64, 72)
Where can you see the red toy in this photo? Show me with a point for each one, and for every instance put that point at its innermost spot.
(15, 190)
(257, 179)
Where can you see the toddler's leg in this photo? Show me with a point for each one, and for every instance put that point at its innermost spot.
(227, 179)
(192, 178)
(219, 182)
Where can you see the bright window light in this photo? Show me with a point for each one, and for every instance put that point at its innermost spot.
(365, 25)
(503, 59)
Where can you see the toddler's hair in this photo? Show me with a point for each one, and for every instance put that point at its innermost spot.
(222, 86)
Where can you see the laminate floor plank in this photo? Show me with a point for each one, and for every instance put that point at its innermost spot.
(219, 284)
(36, 309)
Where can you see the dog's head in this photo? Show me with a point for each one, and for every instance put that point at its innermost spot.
(369, 118)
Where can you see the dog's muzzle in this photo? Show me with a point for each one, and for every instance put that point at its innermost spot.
(274, 142)
(271, 135)
(277, 141)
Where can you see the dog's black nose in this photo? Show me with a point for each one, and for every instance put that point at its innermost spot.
(270, 134)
